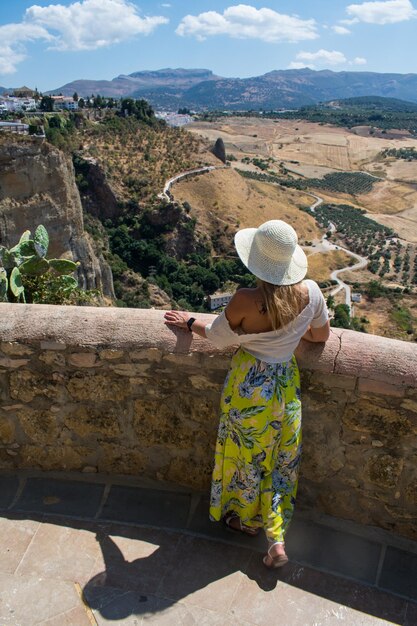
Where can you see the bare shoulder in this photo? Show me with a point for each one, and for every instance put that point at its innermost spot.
(246, 294)
(244, 298)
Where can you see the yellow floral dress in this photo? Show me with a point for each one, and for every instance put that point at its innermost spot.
(258, 446)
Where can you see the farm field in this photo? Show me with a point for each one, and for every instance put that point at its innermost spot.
(313, 150)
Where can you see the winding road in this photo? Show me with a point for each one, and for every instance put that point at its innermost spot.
(167, 195)
(324, 245)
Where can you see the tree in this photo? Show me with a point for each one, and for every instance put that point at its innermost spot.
(75, 96)
(81, 103)
(341, 316)
(47, 104)
(330, 302)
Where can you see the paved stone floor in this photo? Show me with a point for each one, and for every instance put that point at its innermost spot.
(82, 553)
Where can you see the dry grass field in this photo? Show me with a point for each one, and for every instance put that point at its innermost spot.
(321, 264)
(223, 198)
(382, 316)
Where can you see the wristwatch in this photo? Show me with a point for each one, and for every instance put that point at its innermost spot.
(190, 322)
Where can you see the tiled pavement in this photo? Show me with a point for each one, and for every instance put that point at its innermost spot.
(83, 553)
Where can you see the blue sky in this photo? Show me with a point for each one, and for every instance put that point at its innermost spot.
(48, 43)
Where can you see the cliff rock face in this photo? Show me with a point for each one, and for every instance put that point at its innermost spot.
(219, 150)
(37, 186)
(100, 200)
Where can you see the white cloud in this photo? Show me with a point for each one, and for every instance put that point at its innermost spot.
(341, 30)
(91, 24)
(12, 39)
(298, 65)
(321, 57)
(389, 12)
(246, 22)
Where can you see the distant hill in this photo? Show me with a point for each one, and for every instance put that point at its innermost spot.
(378, 103)
(170, 81)
(200, 89)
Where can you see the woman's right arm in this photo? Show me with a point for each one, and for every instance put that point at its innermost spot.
(316, 335)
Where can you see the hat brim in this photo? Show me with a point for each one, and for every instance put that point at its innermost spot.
(266, 269)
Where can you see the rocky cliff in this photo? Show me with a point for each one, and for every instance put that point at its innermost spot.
(37, 186)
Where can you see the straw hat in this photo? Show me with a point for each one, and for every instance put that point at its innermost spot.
(271, 253)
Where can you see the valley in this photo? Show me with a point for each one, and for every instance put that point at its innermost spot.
(286, 158)
(168, 239)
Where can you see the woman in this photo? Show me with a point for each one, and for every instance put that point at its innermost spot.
(259, 439)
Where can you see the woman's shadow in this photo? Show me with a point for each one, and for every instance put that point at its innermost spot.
(181, 565)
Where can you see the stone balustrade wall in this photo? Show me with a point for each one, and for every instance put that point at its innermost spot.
(115, 391)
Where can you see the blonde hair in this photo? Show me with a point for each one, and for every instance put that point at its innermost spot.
(282, 302)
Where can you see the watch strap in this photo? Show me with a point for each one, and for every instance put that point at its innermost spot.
(190, 322)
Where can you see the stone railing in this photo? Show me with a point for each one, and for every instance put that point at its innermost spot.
(115, 391)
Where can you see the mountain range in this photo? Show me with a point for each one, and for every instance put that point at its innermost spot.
(200, 89)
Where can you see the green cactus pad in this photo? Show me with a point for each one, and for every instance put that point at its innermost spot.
(7, 259)
(34, 266)
(41, 241)
(63, 266)
(16, 285)
(23, 249)
(68, 283)
(25, 236)
(4, 283)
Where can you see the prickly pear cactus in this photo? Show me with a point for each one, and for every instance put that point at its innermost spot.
(28, 259)
(4, 284)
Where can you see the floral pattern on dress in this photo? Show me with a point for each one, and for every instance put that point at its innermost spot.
(258, 447)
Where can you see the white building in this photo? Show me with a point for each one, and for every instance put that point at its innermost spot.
(218, 300)
(356, 297)
(14, 104)
(63, 102)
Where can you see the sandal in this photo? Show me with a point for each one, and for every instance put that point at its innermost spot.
(247, 530)
(273, 562)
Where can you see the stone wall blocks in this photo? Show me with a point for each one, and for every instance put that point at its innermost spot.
(99, 386)
(380, 388)
(52, 345)
(12, 407)
(13, 348)
(410, 405)
(13, 363)
(51, 357)
(130, 369)
(83, 359)
(111, 354)
(53, 457)
(335, 381)
(114, 459)
(384, 470)
(39, 426)
(7, 430)
(411, 493)
(150, 354)
(92, 420)
(386, 423)
(202, 382)
(189, 360)
(26, 385)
